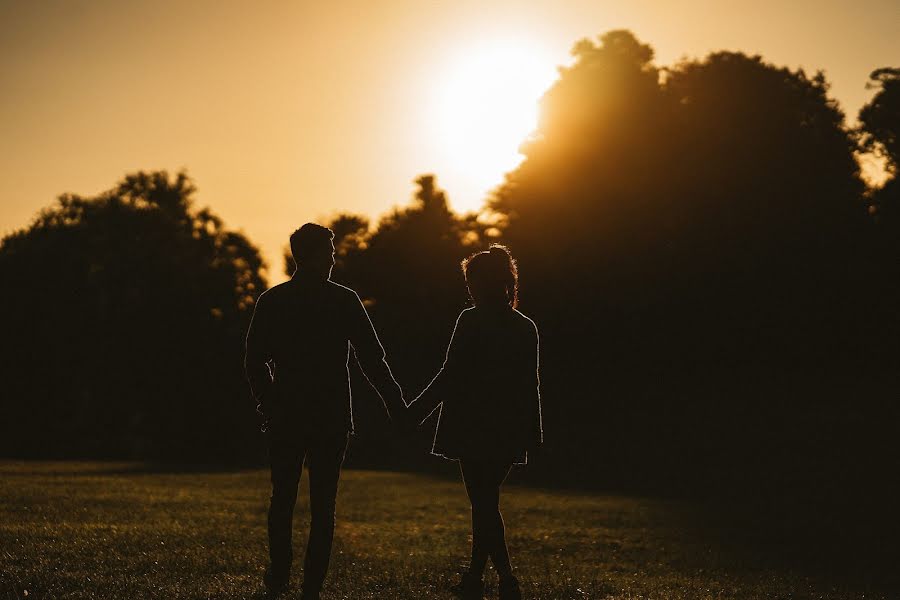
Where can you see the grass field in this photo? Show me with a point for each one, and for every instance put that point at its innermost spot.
(99, 530)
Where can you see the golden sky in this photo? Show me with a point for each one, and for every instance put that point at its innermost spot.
(285, 112)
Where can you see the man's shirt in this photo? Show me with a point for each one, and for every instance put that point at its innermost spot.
(298, 349)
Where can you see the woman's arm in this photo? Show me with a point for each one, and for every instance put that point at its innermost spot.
(444, 382)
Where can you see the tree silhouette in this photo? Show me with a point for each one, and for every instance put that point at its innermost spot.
(125, 333)
(763, 151)
(586, 173)
(407, 269)
(646, 186)
(685, 227)
(879, 132)
(880, 117)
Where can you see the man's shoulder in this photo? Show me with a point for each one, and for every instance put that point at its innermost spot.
(341, 292)
(289, 288)
(271, 294)
(267, 296)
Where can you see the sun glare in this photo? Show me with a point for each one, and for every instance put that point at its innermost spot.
(485, 106)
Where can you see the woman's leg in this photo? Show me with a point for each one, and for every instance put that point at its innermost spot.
(496, 474)
(473, 478)
(483, 481)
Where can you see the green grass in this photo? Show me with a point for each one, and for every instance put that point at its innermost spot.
(100, 530)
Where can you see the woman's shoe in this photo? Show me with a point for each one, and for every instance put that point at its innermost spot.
(509, 589)
(469, 587)
(275, 582)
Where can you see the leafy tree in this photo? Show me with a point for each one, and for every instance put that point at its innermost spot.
(761, 155)
(349, 230)
(650, 184)
(592, 164)
(880, 117)
(125, 323)
(682, 227)
(879, 133)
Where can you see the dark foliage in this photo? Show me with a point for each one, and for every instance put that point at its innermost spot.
(879, 133)
(124, 321)
(694, 245)
(697, 241)
(880, 118)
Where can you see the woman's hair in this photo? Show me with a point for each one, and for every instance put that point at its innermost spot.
(492, 277)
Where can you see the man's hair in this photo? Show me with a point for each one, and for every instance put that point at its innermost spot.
(310, 240)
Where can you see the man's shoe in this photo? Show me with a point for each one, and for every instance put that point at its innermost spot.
(470, 587)
(275, 582)
(509, 589)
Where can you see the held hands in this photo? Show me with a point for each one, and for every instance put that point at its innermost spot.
(404, 421)
(403, 418)
(264, 410)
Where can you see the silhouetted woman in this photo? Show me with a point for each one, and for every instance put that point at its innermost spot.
(490, 406)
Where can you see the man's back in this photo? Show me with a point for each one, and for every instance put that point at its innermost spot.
(296, 362)
(303, 330)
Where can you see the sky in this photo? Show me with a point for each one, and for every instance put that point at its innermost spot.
(286, 112)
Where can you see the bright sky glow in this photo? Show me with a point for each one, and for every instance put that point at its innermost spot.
(287, 111)
(484, 106)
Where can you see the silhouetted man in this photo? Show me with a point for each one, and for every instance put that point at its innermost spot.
(297, 356)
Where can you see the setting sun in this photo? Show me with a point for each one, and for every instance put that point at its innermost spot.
(484, 108)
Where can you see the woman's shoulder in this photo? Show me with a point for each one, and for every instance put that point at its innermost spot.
(465, 320)
(525, 321)
(507, 322)
(466, 315)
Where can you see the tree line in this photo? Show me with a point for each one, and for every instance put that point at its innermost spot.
(715, 283)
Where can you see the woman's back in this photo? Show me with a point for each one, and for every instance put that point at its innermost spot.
(500, 346)
(490, 406)
(491, 403)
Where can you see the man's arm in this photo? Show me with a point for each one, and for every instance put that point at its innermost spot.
(371, 356)
(537, 425)
(258, 354)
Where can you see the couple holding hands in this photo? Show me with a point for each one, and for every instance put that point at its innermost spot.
(297, 365)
